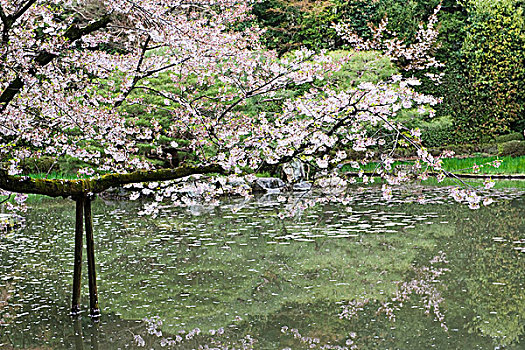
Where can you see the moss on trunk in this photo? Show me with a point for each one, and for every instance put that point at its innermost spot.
(84, 187)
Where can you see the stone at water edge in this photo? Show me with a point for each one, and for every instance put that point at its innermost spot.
(302, 186)
(268, 184)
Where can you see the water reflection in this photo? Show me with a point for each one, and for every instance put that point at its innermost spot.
(239, 268)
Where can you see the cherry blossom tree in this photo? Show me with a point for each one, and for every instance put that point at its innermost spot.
(70, 70)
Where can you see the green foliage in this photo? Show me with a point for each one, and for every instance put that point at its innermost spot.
(437, 132)
(491, 97)
(513, 148)
(30, 165)
(405, 16)
(362, 66)
(359, 14)
(296, 23)
(292, 24)
(66, 166)
(510, 137)
(482, 44)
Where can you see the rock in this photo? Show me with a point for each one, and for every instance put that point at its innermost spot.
(269, 199)
(117, 193)
(302, 186)
(237, 182)
(268, 184)
(189, 190)
(200, 209)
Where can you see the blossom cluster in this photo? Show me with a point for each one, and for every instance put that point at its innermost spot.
(315, 343)
(415, 56)
(195, 337)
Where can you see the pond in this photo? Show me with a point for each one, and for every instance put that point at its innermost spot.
(396, 275)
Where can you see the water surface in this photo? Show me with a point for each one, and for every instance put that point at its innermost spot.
(379, 276)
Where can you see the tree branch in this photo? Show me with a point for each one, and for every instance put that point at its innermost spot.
(85, 187)
(43, 58)
(3, 16)
(137, 78)
(22, 10)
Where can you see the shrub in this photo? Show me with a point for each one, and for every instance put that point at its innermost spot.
(292, 24)
(513, 148)
(491, 98)
(437, 132)
(510, 137)
(38, 164)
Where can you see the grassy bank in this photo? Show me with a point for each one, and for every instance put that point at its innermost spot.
(474, 165)
(509, 165)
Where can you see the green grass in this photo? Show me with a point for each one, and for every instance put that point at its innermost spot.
(516, 184)
(56, 175)
(432, 181)
(509, 165)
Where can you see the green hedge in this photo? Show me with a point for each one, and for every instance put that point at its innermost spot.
(490, 96)
(513, 148)
(482, 43)
(510, 137)
(437, 132)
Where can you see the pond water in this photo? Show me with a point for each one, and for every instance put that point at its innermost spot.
(395, 275)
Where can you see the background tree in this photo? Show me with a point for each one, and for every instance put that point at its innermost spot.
(479, 42)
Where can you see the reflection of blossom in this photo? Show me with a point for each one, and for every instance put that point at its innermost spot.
(423, 285)
(213, 342)
(489, 183)
(314, 342)
(139, 341)
(487, 201)
(353, 307)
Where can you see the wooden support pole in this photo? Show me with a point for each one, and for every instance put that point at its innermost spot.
(92, 275)
(77, 271)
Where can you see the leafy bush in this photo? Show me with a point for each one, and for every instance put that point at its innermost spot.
(491, 97)
(37, 165)
(362, 66)
(510, 137)
(437, 132)
(293, 24)
(513, 148)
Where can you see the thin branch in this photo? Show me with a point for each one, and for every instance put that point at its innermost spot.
(137, 78)
(22, 10)
(7, 199)
(154, 71)
(143, 52)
